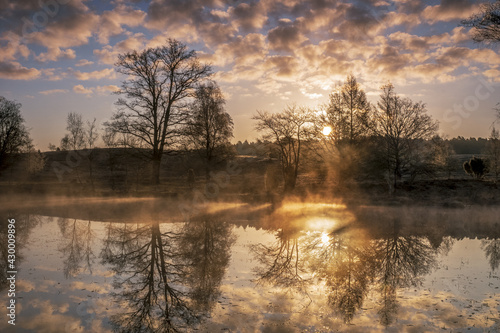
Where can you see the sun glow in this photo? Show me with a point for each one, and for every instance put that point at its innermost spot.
(327, 130)
(325, 239)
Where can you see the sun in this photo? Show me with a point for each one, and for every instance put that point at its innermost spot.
(325, 239)
(327, 130)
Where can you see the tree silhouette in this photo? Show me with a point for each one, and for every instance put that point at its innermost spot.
(151, 112)
(493, 149)
(348, 115)
(348, 112)
(209, 127)
(280, 262)
(401, 124)
(287, 130)
(485, 24)
(14, 136)
(476, 167)
(345, 265)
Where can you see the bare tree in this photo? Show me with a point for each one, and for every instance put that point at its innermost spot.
(347, 112)
(35, 161)
(493, 150)
(443, 155)
(159, 80)
(402, 125)
(288, 130)
(485, 24)
(209, 127)
(14, 136)
(75, 139)
(341, 126)
(91, 136)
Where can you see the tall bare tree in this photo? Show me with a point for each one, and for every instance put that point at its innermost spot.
(91, 136)
(288, 130)
(209, 127)
(75, 138)
(347, 112)
(346, 117)
(493, 149)
(402, 125)
(14, 136)
(151, 110)
(486, 23)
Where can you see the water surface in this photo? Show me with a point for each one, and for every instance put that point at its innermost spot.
(313, 267)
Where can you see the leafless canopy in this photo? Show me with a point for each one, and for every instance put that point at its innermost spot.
(151, 108)
(401, 123)
(13, 134)
(209, 127)
(288, 130)
(486, 23)
(347, 112)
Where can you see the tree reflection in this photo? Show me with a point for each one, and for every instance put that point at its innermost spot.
(401, 261)
(77, 243)
(149, 279)
(343, 262)
(491, 248)
(205, 247)
(281, 264)
(24, 223)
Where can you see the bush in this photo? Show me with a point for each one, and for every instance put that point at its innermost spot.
(476, 167)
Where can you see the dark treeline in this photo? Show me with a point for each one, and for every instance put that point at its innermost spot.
(460, 145)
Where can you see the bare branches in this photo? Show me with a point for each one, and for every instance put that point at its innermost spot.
(485, 24)
(152, 108)
(288, 130)
(13, 134)
(401, 124)
(209, 127)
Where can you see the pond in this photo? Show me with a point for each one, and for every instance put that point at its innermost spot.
(296, 267)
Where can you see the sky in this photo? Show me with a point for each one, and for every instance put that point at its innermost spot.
(57, 56)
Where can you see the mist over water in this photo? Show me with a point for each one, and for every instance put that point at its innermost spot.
(149, 264)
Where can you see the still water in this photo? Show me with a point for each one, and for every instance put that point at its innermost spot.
(300, 267)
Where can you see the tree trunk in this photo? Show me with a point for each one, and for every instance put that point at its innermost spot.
(156, 170)
(290, 179)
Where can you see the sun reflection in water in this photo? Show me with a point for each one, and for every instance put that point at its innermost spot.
(321, 223)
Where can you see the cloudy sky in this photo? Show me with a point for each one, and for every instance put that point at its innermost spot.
(57, 56)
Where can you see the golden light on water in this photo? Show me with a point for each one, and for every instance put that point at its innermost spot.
(327, 130)
(325, 239)
(321, 223)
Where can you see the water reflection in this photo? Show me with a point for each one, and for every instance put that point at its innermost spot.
(24, 223)
(353, 259)
(167, 276)
(345, 265)
(280, 262)
(148, 279)
(491, 248)
(205, 246)
(76, 246)
(197, 275)
(400, 261)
